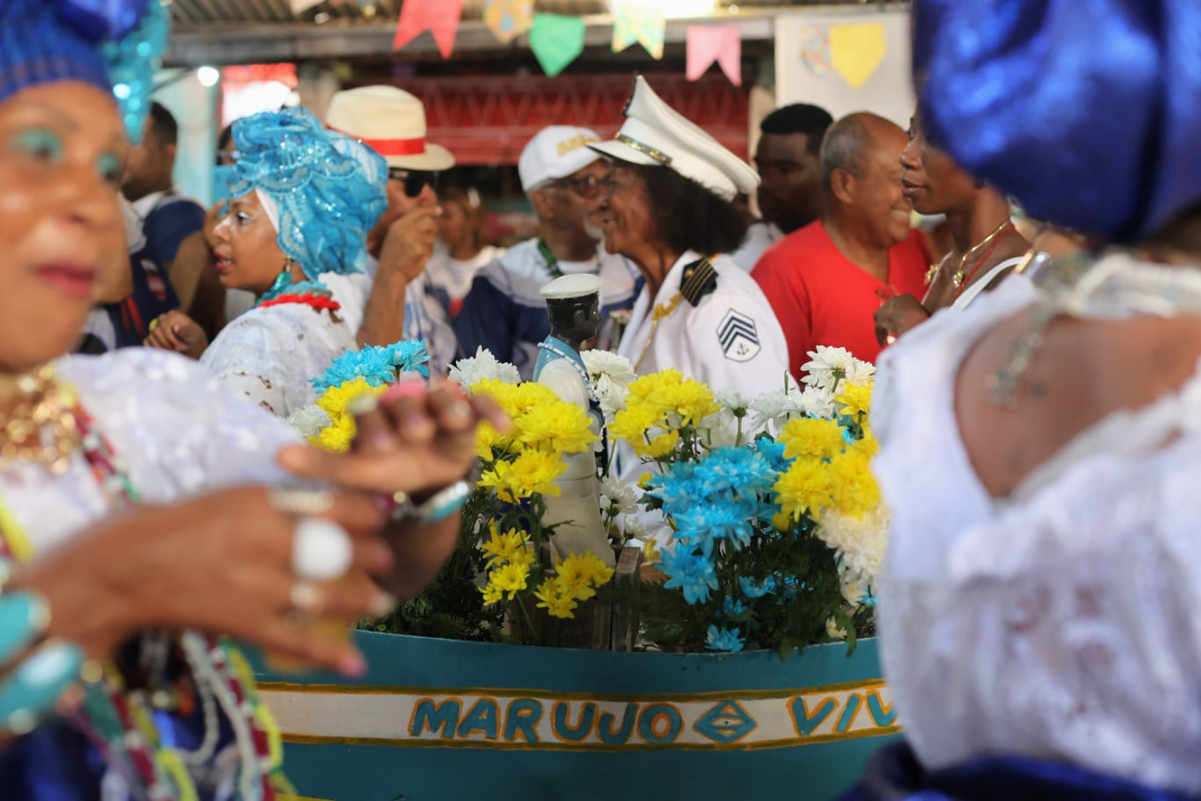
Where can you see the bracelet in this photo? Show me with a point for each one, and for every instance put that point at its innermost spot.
(439, 507)
(32, 682)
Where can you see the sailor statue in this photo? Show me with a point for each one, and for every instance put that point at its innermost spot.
(573, 303)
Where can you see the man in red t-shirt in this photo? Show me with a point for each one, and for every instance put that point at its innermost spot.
(826, 280)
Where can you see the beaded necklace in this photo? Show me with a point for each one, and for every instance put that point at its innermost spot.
(309, 293)
(119, 723)
(552, 261)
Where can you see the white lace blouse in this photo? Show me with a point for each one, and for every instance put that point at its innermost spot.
(175, 431)
(270, 354)
(1063, 622)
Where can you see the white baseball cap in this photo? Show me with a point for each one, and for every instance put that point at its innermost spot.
(391, 122)
(555, 152)
(654, 133)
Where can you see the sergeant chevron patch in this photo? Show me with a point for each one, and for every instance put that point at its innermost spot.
(739, 337)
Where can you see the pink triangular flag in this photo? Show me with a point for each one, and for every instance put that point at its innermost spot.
(441, 17)
(709, 43)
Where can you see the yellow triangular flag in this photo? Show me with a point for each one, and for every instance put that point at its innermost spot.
(856, 50)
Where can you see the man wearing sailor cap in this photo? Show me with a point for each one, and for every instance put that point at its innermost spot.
(668, 209)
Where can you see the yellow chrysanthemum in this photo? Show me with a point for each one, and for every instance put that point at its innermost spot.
(632, 423)
(804, 488)
(510, 579)
(337, 436)
(506, 547)
(819, 439)
(556, 426)
(669, 392)
(487, 438)
(650, 552)
(532, 472)
(335, 399)
(854, 488)
(855, 400)
(556, 599)
(869, 445)
(658, 447)
(581, 574)
(492, 594)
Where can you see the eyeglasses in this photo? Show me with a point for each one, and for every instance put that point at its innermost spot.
(584, 186)
(415, 181)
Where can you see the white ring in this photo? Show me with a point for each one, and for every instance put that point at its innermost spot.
(300, 501)
(304, 596)
(321, 550)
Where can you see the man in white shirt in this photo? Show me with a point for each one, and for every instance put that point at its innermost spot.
(505, 311)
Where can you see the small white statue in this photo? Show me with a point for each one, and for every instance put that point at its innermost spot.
(573, 303)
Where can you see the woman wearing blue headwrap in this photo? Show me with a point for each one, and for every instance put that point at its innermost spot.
(127, 497)
(304, 199)
(1041, 450)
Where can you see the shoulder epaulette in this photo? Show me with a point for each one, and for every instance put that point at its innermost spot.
(699, 279)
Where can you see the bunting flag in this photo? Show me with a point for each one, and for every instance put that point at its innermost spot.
(815, 49)
(638, 22)
(440, 17)
(856, 50)
(301, 6)
(709, 43)
(556, 41)
(508, 19)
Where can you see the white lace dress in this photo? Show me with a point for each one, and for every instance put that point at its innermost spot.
(175, 432)
(1062, 622)
(270, 354)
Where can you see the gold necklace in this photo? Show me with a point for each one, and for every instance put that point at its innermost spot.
(959, 274)
(40, 426)
(661, 312)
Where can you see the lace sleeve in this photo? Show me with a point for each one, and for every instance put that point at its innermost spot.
(174, 427)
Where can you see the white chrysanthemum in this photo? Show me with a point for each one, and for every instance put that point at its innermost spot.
(834, 630)
(734, 401)
(483, 366)
(720, 430)
(618, 497)
(830, 366)
(816, 402)
(769, 412)
(611, 376)
(859, 543)
(309, 421)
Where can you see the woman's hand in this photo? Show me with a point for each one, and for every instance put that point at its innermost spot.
(897, 315)
(222, 563)
(414, 440)
(176, 331)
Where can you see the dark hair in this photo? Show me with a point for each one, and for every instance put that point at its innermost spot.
(799, 118)
(469, 201)
(690, 216)
(843, 148)
(226, 137)
(162, 121)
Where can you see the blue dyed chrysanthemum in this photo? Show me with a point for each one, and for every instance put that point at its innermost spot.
(702, 525)
(377, 364)
(739, 471)
(732, 608)
(723, 639)
(757, 589)
(689, 572)
(773, 452)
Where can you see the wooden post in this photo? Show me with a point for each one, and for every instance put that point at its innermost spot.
(624, 624)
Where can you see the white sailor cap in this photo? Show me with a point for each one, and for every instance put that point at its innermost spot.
(579, 285)
(656, 134)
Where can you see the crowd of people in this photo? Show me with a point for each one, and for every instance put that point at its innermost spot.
(1035, 413)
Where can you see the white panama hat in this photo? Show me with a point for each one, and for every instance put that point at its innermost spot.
(392, 123)
(655, 134)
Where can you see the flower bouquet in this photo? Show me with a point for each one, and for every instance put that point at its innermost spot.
(771, 524)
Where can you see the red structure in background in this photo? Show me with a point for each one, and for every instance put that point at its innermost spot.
(486, 120)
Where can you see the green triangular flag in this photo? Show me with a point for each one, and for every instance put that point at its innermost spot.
(556, 41)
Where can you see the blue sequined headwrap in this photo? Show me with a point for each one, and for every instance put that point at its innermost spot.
(111, 44)
(329, 188)
(1086, 111)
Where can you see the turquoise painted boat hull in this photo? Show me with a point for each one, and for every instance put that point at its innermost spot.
(441, 719)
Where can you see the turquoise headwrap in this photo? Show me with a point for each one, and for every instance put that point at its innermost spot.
(329, 187)
(111, 44)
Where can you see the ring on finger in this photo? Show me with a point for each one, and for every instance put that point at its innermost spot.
(300, 501)
(305, 597)
(321, 550)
